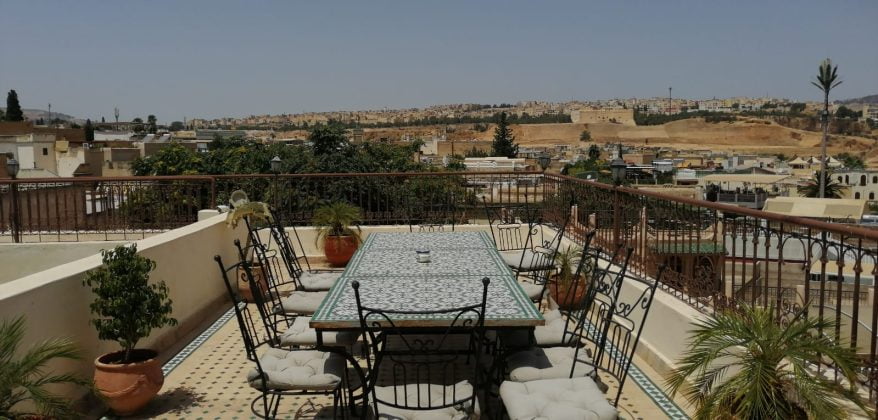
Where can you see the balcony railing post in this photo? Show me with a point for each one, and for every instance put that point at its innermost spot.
(15, 222)
(213, 192)
(617, 223)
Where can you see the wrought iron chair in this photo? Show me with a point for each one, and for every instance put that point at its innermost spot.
(510, 225)
(432, 216)
(412, 369)
(310, 280)
(620, 323)
(278, 372)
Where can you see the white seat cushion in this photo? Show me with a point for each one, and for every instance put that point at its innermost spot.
(317, 282)
(556, 399)
(551, 334)
(434, 394)
(547, 363)
(533, 291)
(301, 334)
(305, 370)
(298, 302)
(530, 262)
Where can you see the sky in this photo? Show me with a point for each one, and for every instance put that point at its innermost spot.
(208, 59)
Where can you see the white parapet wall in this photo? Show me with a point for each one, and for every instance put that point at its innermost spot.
(19, 260)
(56, 304)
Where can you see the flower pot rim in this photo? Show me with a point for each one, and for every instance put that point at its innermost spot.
(103, 365)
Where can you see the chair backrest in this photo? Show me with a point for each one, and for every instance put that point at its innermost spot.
(285, 248)
(425, 362)
(266, 296)
(511, 224)
(431, 214)
(249, 332)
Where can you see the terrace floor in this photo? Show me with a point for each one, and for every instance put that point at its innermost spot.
(206, 381)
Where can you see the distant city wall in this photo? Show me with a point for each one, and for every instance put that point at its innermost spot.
(592, 116)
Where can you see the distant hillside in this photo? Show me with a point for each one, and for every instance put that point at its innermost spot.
(871, 99)
(35, 114)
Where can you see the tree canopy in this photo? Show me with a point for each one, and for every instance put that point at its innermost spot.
(13, 108)
(504, 140)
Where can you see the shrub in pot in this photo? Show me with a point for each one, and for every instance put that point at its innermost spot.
(125, 309)
(566, 289)
(338, 227)
(255, 212)
(24, 378)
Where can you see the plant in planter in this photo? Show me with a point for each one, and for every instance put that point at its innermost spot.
(23, 375)
(564, 282)
(255, 212)
(126, 309)
(744, 364)
(338, 226)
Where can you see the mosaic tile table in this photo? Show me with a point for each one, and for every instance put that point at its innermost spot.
(391, 278)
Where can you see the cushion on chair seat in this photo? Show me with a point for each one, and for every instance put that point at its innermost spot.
(551, 334)
(532, 261)
(306, 370)
(533, 291)
(429, 396)
(547, 363)
(299, 302)
(301, 334)
(556, 399)
(317, 282)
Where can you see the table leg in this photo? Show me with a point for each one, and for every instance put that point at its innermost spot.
(343, 351)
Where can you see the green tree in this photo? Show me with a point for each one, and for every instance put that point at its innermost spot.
(151, 124)
(13, 108)
(585, 136)
(89, 131)
(594, 152)
(328, 139)
(504, 141)
(850, 161)
(25, 375)
(176, 126)
(174, 159)
(138, 125)
(845, 112)
(827, 79)
(774, 378)
(475, 153)
(2, 115)
(812, 187)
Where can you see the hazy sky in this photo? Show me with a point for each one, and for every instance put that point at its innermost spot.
(219, 58)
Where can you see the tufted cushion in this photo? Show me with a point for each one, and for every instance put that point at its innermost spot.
(305, 370)
(556, 399)
(533, 291)
(299, 302)
(531, 261)
(316, 282)
(435, 393)
(551, 334)
(301, 334)
(549, 363)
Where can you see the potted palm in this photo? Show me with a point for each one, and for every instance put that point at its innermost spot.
(255, 212)
(24, 378)
(566, 288)
(338, 226)
(125, 309)
(773, 368)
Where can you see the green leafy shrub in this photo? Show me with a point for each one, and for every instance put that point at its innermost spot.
(126, 306)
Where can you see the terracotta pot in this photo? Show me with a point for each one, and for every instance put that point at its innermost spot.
(258, 272)
(340, 249)
(563, 296)
(126, 388)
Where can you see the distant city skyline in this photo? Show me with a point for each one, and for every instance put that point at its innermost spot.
(200, 59)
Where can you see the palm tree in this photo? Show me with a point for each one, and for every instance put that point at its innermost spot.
(774, 364)
(827, 79)
(23, 375)
(831, 189)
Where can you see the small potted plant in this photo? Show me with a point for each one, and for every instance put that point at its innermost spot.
(563, 283)
(24, 378)
(338, 227)
(126, 308)
(255, 212)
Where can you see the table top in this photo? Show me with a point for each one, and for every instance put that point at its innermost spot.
(391, 278)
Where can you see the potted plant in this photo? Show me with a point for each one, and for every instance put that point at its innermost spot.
(24, 378)
(338, 227)
(745, 364)
(563, 283)
(254, 211)
(126, 308)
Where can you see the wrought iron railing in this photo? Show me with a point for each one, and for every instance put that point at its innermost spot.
(717, 255)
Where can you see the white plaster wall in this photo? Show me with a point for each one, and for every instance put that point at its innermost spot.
(56, 303)
(19, 260)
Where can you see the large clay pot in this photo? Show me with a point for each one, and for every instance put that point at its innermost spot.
(564, 295)
(340, 249)
(258, 272)
(126, 388)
